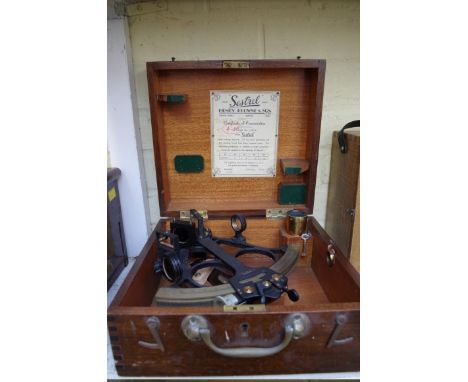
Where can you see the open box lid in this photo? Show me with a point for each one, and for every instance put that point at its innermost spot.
(185, 101)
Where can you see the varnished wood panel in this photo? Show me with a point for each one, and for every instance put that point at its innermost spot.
(182, 357)
(181, 129)
(355, 257)
(340, 281)
(324, 294)
(141, 282)
(342, 191)
(321, 300)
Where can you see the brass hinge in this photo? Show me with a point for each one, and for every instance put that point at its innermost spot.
(236, 65)
(276, 213)
(185, 214)
(245, 308)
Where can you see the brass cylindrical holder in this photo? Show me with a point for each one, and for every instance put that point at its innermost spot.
(296, 222)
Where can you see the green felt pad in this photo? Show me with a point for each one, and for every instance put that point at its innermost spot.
(293, 193)
(292, 170)
(189, 163)
(175, 98)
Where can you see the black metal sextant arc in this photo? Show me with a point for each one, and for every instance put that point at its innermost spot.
(189, 247)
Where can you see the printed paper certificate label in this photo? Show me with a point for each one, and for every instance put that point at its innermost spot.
(244, 133)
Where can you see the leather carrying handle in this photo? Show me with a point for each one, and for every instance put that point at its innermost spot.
(341, 137)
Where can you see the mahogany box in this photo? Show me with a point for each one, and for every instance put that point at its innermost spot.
(319, 332)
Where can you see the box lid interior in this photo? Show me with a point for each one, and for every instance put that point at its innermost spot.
(181, 126)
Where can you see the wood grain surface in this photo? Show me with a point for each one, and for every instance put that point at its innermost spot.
(182, 357)
(355, 256)
(342, 191)
(184, 129)
(340, 281)
(296, 163)
(325, 293)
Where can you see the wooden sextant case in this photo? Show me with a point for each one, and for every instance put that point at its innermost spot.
(318, 333)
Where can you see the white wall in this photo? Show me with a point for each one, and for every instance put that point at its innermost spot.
(251, 29)
(123, 137)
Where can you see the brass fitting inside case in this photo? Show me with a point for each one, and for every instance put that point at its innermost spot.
(296, 222)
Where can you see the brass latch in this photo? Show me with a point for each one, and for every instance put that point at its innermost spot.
(245, 308)
(276, 213)
(185, 214)
(236, 65)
